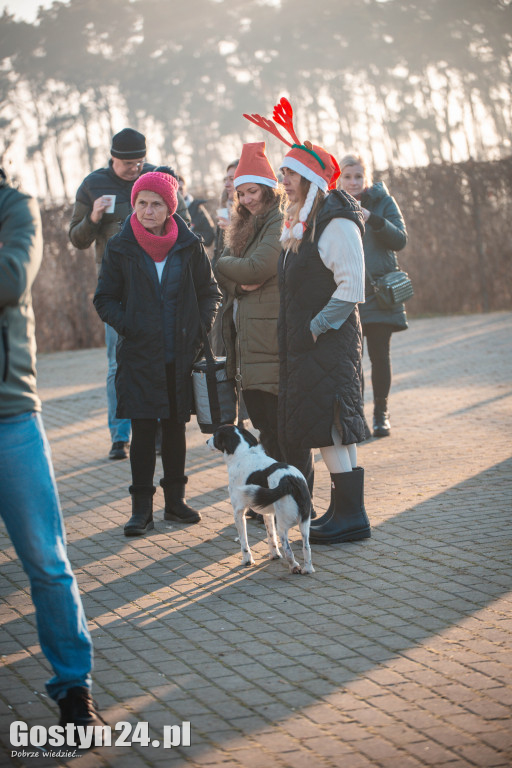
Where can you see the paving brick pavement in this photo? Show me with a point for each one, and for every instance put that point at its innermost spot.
(396, 653)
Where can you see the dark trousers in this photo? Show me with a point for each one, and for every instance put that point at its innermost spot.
(142, 449)
(302, 459)
(262, 409)
(378, 342)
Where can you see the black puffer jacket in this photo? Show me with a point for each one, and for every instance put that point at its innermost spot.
(319, 383)
(130, 298)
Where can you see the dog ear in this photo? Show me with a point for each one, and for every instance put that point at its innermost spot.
(248, 436)
(218, 440)
(227, 439)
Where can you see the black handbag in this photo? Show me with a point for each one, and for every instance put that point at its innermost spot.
(391, 289)
(216, 397)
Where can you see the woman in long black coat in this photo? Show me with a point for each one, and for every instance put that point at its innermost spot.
(320, 340)
(155, 283)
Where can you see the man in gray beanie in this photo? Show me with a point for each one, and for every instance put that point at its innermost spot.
(102, 204)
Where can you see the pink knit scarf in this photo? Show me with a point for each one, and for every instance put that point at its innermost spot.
(156, 246)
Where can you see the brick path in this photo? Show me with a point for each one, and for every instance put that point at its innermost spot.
(396, 653)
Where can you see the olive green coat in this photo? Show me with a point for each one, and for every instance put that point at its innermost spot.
(251, 340)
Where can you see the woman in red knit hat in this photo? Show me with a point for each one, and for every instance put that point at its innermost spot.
(247, 272)
(154, 286)
(321, 281)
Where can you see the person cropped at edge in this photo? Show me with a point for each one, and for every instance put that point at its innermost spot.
(202, 222)
(226, 203)
(90, 223)
(321, 281)
(29, 502)
(385, 233)
(247, 273)
(224, 212)
(155, 285)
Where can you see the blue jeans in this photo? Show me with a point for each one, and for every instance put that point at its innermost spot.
(119, 428)
(30, 508)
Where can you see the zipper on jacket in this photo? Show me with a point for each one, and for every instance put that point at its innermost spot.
(5, 344)
(238, 375)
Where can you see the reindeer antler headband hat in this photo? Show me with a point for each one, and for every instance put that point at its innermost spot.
(311, 161)
(314, 163)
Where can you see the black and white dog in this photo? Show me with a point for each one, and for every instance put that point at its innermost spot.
(256, 480)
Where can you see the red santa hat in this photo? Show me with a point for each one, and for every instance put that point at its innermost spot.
(254, 166)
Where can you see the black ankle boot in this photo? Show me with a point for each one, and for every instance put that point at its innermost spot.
(141, 520)
(348, 521)
(381, 425)
(176, 507)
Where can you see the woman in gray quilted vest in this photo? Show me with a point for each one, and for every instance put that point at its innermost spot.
(385, 234)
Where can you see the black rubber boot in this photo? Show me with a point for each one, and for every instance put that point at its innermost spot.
(381, 425)
(176, 507)
(319, 521)
(349, 521)
(141, 520)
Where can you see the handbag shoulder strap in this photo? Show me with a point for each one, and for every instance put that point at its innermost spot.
(211, 374)
(208, 352)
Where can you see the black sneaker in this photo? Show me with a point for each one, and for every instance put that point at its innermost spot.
(119, 450)
(78, 708)
(254, 516)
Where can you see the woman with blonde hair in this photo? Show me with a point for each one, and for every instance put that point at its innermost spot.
(385, 234)
(321, 281)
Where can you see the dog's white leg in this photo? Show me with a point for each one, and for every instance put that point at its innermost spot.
(273, 546)
(239, 514)
(292, 563)
(306, 549)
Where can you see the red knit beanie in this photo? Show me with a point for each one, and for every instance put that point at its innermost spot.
(162, 183)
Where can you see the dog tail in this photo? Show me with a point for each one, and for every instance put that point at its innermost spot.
(289, 485)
